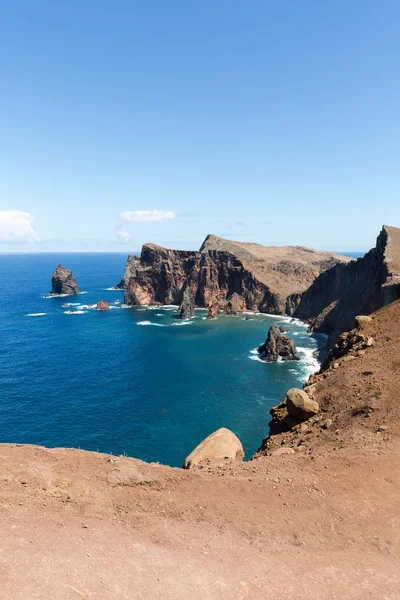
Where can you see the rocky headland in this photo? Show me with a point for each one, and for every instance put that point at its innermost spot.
(63, 282)
(233, 275)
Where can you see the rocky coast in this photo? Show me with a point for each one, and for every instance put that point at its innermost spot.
(313, 514)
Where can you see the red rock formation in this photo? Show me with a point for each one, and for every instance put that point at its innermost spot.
(102, 305)
(63, 282)
(236, 276)
(214, 311)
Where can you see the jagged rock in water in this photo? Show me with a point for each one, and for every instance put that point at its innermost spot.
(222, 445)
(188, 306)
(63, 282)
(277, 346)
(102, 305)
(363, 286)
(214, 311)
(234, 275)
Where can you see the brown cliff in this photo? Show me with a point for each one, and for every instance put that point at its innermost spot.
(235, 275)
(358, 287)
(356, 391)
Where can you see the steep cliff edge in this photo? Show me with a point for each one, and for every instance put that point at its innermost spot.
(356, 390)
(359, 287)
(260, 278)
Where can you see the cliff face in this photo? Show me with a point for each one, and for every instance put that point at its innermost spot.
(359, 287)
(260, 278)
(356, 390)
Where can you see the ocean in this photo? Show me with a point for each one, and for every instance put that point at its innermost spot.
(135, 381)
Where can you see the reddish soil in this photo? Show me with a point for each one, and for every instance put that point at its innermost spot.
(323, 523)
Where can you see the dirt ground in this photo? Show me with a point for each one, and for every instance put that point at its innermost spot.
(76, 525)
(320, 523)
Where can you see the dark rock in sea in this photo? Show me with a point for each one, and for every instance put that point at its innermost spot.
(102, 305)
(277, 346)
(214, 311)
(63, 282)
(363, 286)
(234, 275)
(188, 305)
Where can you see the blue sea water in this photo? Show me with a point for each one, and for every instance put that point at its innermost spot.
(131, 380)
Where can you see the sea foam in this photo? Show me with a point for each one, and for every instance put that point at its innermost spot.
(36, 314)
(150, 323)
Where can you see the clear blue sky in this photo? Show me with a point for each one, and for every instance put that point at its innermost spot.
(268, 121)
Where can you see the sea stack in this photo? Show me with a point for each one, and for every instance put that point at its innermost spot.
(277, 346)
(187, 307)
(63, 282)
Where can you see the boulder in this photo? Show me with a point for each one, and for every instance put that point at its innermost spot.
(187, 306)
(63, 282)
(213, 311)
(300, 405)
(223, 444)
(277, 346)
(102, 305)
(361, 320)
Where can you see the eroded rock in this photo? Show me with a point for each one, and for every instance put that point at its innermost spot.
(63, 282)
(102, 305)
(277, 346)
(300, 405)
(188, 306)
(223, 444)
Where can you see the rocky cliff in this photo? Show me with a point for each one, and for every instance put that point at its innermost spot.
(358, 287)
(355, 393)
(63, 282)
(234, 275)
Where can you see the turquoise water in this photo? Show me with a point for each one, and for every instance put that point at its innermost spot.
(131, 380)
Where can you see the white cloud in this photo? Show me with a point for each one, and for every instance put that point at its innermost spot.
(123, 235)
(147, 215)
(16, 227)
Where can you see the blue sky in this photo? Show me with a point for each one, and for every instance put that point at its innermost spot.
(265, 121)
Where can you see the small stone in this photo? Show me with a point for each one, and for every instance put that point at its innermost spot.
(102, 305)
(327, 424)
(281, 451)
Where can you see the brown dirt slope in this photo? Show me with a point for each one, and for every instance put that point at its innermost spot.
(320, 523)
(357, 389)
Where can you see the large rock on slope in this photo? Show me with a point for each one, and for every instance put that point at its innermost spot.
(341, 293)
(300, 405)
(234, 275)
(277, 346)
(63, 282)
(222, 445)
